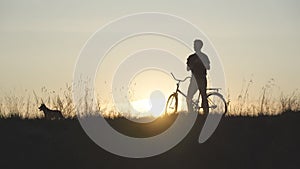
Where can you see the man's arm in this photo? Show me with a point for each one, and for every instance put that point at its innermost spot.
(188, 63)
(208, 67)
(205, 61)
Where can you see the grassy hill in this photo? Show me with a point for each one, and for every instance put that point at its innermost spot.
(239, 142)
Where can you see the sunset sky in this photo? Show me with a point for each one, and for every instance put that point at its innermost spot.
(41, 40)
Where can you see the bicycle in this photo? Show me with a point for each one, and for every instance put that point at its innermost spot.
(216, 101)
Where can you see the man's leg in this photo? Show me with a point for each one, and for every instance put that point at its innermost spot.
(202, 84)
(190, 94)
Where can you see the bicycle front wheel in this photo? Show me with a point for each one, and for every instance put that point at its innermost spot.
(172, 104)
(216, 103)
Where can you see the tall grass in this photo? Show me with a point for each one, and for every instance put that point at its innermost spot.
(266, 103)
(290, 102)
(26, 105)
(241, 108)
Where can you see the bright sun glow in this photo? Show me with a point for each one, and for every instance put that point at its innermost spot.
(144, 106)
(143, 85)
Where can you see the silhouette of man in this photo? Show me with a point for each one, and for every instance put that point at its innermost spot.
(198, 63)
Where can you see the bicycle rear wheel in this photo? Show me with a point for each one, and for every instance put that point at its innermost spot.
(172, 104)
(216, 103)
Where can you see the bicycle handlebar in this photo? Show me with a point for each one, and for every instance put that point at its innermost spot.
(179, 79)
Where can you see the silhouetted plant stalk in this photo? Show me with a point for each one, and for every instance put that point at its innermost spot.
(290, 102)
(241, 105)
(267, 102)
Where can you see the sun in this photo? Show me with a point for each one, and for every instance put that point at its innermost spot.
(150, 87)
(144, 106)
(141, 106)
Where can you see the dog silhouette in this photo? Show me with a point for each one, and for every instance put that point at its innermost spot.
(51, 114)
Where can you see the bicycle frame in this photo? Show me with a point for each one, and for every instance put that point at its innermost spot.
(217, 103)
(193, 102)
(179, 91)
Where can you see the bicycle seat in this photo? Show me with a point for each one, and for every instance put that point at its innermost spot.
(217, 89)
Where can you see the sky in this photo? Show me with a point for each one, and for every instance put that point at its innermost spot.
(256, 40)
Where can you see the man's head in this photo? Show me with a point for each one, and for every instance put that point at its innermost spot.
(198, 45)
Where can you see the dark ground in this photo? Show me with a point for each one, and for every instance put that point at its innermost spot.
(238, 143)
